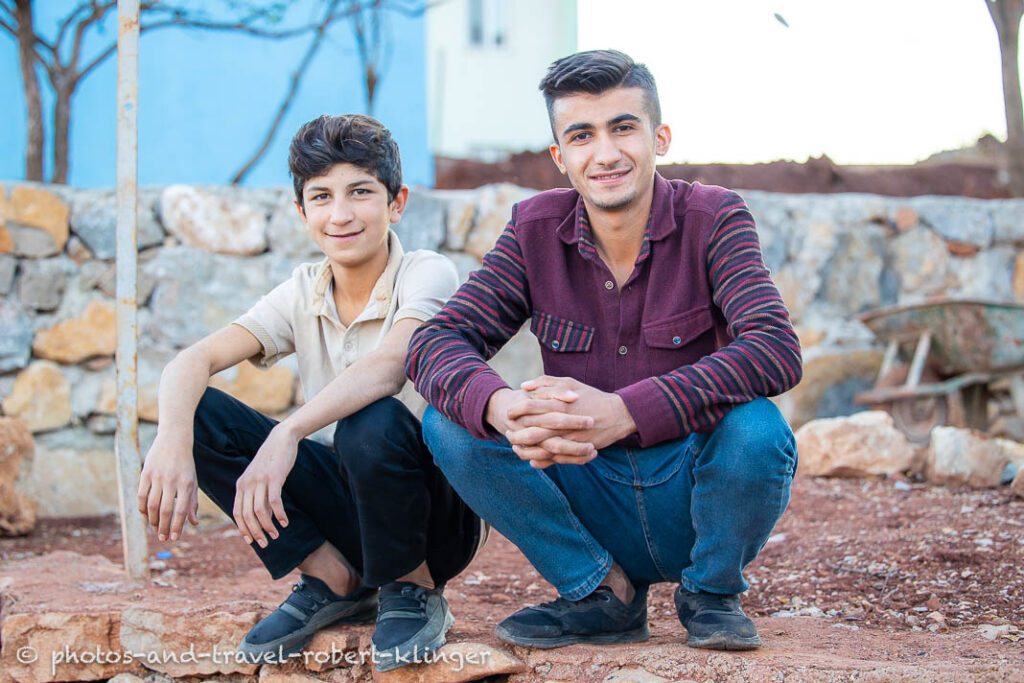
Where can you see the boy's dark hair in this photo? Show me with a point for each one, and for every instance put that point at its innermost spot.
(594, 72)
(355, 139)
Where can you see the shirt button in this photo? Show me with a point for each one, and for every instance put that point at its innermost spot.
(676, 340)
(555, 344)
(349, 346)
(622, 350)
(609, 285)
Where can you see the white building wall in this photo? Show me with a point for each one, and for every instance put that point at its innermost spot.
(483, 100)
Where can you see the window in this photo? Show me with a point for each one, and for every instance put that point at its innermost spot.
(487, 23)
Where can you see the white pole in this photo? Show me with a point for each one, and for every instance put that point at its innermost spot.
(133, 530)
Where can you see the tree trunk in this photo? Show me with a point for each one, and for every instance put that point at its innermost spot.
(61, 123)
(34, 137)
(1007, 14)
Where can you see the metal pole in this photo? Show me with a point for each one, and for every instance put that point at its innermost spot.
(133, 530)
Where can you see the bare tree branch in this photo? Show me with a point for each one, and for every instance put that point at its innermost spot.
(10, 29)
(179, 17)
(293, 86)
(66, 23)
(98, 12)
(111, 49)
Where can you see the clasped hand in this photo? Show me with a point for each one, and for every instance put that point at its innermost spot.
(559, 420)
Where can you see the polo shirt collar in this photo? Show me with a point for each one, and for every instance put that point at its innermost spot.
(383, 289)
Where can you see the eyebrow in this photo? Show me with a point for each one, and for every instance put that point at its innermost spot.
(611, 122)
(313, 189)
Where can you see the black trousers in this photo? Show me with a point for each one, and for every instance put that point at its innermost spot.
(376, 496)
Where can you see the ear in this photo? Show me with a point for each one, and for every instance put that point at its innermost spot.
(662, 139)
(302, 212)
(398, 204)
(556, 156)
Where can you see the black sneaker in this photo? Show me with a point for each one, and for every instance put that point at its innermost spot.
(716, 622)
(310, 607)
(597, 618)
(411, 622)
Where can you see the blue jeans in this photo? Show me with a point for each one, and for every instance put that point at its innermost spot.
(695, 510)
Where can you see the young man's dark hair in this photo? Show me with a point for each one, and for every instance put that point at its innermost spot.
(596, 71)
(355, 139)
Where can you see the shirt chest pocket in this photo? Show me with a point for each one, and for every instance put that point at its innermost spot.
(679, 340)
(561, 335)
(565, 344)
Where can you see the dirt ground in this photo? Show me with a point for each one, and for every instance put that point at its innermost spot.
(904, 569)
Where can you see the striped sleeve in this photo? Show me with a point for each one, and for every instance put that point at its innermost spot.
(447, 355)
(763, 360)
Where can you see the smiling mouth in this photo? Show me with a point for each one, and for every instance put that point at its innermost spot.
(344, 237)
(609, 177)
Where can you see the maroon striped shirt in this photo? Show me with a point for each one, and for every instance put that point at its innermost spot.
(696, 329)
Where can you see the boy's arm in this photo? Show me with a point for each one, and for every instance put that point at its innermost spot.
(374, 376)
(169, 472)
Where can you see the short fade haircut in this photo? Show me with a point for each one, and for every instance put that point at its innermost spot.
(355, 139)
(594, 72)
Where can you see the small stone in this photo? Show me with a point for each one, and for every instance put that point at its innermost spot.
(456, 663)
(937, 617)
(77, 250)
(268, 391)
(994, 632)
(933, 603)
(42, 283)
(286, 231)
(37, 221)
(962, 456)
(215, 223)
(865, 443)
(41, 397)
(94, 221)
(962, 248)
(905, 218)
(1017, 487)
(494, 210)
(94, 333)
(8, 264)
(631, 675)
(15, 337)
(17, 510)
(422, 225)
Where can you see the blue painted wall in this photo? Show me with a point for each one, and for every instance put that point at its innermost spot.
(206, 100)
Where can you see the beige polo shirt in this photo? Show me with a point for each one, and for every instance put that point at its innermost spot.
(299, 316)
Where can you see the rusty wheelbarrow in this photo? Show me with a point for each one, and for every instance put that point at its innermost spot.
(943, 358)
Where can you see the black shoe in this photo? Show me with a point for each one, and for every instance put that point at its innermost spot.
(411, 622)
(310, 607)
(714, 621)
(597, 618)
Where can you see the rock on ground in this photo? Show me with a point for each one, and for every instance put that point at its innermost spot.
(863, 444)
(963, 456)
(17, 510)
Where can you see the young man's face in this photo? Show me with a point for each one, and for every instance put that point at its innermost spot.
(348, 214)
(606, 145)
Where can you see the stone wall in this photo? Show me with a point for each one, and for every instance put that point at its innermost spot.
(206, 254)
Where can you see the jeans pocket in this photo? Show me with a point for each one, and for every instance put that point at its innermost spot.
(644, 467)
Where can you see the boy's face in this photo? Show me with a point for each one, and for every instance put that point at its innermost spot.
(607, 145)
(348, 214)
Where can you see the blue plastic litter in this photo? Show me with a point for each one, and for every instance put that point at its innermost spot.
(163, 555)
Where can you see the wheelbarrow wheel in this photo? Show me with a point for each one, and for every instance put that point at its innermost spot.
(915, 417)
